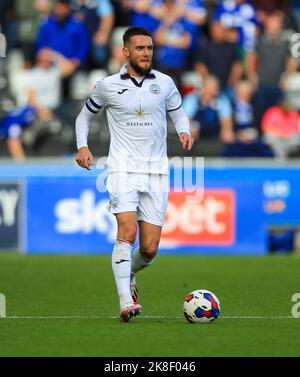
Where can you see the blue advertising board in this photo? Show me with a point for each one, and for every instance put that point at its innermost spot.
(64, 212)
(69, 216)
(10, 217)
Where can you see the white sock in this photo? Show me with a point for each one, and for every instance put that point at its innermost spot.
(121, 265)
(138, 262)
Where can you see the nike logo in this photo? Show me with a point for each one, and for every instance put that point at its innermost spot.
(122, 91)
(122, 260)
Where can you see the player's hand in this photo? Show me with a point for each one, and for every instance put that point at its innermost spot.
(187, 141)
(84, 158)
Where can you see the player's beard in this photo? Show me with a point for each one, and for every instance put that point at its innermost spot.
(138, 69)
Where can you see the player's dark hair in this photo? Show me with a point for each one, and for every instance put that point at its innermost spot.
(134, 30)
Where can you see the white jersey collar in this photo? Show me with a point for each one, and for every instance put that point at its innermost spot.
(125, 75)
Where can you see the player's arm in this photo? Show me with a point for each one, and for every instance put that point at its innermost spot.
(179, 117)
(93, 105)
(84, 156)
(182, 126)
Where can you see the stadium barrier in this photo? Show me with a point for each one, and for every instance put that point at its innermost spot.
(54, 207)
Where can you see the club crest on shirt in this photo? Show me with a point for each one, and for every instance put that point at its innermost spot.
(155, 89)
(114, 202)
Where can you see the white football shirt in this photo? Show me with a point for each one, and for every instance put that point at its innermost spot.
(137, 119)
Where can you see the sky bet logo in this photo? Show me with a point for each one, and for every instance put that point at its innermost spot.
(2, 46)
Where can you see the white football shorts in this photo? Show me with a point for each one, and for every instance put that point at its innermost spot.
(146, 194)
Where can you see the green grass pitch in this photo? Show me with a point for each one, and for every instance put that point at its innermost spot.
(67, 306)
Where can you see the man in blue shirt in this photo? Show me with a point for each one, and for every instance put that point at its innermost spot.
(98, 18)
(173, 40)
(65, 36)
(241, 15)
(142, 13)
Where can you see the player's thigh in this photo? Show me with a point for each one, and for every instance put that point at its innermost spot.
(127, 225)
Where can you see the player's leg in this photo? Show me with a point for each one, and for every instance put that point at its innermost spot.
(123, 204)
(121, 262)
(151, 214)
(144, 254)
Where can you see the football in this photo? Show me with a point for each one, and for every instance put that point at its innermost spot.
(201, 306)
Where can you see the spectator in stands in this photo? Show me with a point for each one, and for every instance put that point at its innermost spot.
(243, 110)
(30, 13)
(13, 124)
(268, 63)
(265, 7)
(219, 58)
(195, 15)
(62, 34)
(210, 112)
(280, 126)
(290, 84)
(240, 15)
(44, 81)
(247, 142)
(142, 13)
(173, 40)
(98, 18)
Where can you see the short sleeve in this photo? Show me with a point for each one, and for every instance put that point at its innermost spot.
(97, 99)
(174, 100)
(224, 107)
(105, 8)
(14, 131)
(190, 105)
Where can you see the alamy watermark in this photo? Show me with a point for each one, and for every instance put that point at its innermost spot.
(296, 306)
(2, 46)
(186, 175)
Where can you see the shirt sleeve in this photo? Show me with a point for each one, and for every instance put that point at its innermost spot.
(14, 131)
(190, 105)
(105, 8)
(97, 100)
(174, 98)
(92, 106)
(181, 121)
(224, 107)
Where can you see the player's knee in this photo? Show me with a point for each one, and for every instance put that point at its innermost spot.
(128, 232)
(149, 249)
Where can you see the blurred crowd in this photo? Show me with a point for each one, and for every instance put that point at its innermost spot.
(235, 62)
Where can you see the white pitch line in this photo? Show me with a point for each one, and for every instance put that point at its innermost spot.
(144, 317)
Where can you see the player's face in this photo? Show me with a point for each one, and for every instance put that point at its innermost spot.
(139, 53)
